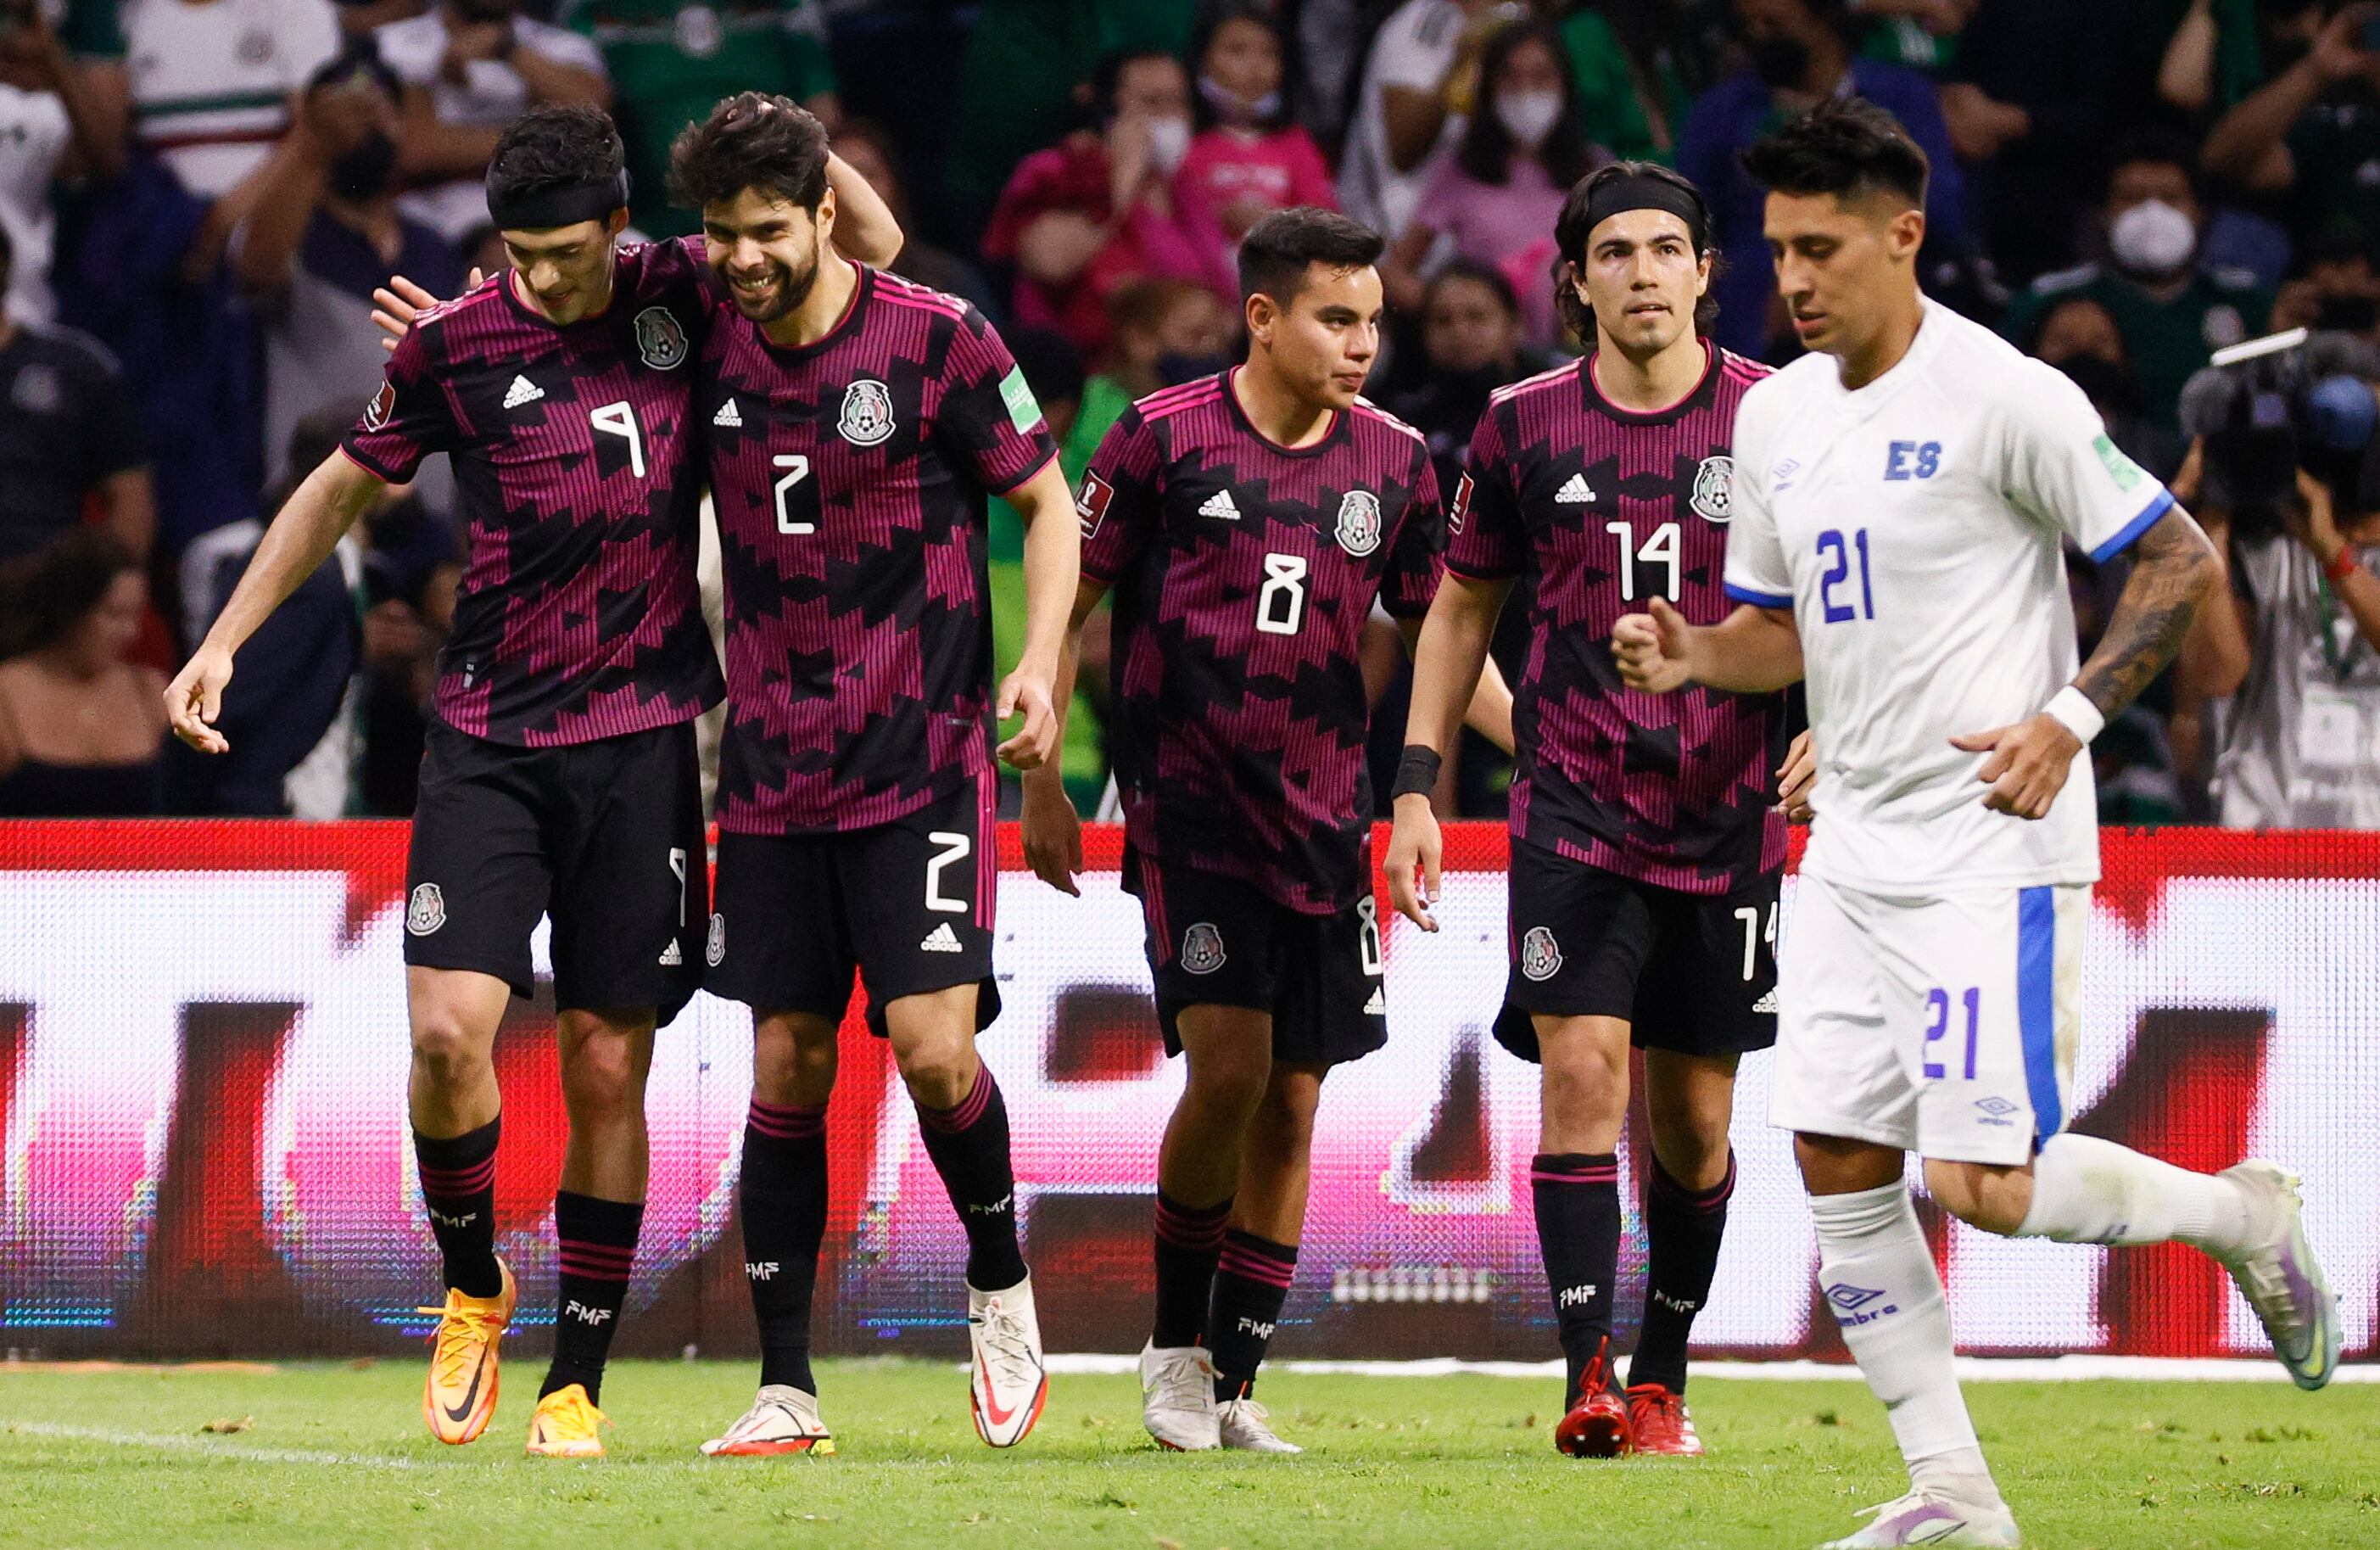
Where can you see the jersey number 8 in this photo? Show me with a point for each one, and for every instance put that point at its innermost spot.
(1281, 602)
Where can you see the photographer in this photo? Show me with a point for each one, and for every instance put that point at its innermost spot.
(2284, 478)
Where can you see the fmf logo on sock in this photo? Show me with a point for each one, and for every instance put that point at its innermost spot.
(443, 1220)
(1571, 1296)
(1256, 1327)
(997, 1208)
(1853, 1304)
(1676, 1304)
(578, 1310)
(764, 1271)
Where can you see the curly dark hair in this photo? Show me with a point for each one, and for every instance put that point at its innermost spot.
(1844, 146)
(561, 146)
(1485, 153)
(754, 139)
(46, 593)
(1274, 254)
(1572, 229)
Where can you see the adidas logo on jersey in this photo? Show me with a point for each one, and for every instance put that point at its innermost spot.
(522, 391)
(671, 958)
(942, 939)
(1377, 1005)
(729, 417)
(1767, 1003)
(1575, 491)
(1220, 506)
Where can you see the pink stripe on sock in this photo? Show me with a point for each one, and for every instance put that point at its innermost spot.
(597, 1259)
(786, 1121)
(1261, 1268)
(1601, 1175)
(951, 1121)
(1187, 1229)
(459, 1181)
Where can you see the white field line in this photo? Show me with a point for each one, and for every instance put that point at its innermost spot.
(1971, 1369)
(175, 1442)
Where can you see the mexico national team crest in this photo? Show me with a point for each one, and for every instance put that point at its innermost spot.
(1714, 488)
(867, 416)
(1202, 949)
(1540, 955)
(427, 911)
(716, 947)
(661, 339)
(1359, 522)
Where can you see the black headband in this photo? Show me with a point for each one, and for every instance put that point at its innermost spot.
(564, 205)
(1623, 194)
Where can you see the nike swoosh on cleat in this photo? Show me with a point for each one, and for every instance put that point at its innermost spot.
(470, 1395)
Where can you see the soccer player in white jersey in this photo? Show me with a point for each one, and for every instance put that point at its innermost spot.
(1903, 494)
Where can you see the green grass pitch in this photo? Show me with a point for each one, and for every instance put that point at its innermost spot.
(337, 1456)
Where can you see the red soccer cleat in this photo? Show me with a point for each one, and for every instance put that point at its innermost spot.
(1597, 1425)
(1659, 1421)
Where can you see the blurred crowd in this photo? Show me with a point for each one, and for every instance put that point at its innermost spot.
(198, 196)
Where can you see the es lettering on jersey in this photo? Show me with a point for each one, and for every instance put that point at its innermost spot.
(1604, 509)
(1916, 529)
(577, 489)
(850, 478)
(1243, 574)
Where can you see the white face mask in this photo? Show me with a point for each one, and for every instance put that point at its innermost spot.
(1529, 116)
(2153, 238)
(1169, 141)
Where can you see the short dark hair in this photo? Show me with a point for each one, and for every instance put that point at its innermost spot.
(564, 145)
(754, 139)
(1108, 75)
(1574, 225)
(1476, 273)
(1274, 254)
(2152, 145)
(46, 593)
(1845, 146)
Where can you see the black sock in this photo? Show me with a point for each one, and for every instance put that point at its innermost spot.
(970, 1146)
(1251, 1283)
(1189, 1240)
(785, 1221)
(1577, 1197)
(599, 1249)
(458, 1186)
(1684, 1231)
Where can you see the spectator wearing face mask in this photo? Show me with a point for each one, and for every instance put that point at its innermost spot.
(1162, 333)
(1472, 344)
(1248, 158)
(2079, 337)
(1496, 202)
(2171, 311)
(1096, 210)
(1420, 86)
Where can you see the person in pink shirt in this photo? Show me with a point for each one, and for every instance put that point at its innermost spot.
(1496, 199)
(1249, 158)
(1097, 209)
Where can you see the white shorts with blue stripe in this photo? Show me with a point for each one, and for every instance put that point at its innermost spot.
(1944, 1025)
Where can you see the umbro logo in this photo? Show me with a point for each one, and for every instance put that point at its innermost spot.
(522, 391)
(1854, 1305)
(578, 1310)
(942, 939)
(1220, 506)
(729, 418)
(671, 957)
(1575, 491)
(1767, 1002)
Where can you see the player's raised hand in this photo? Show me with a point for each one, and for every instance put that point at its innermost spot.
(1053, 834)
(1038, 738)
(1795, 777)
(2028, 763)
(397, 303)
(1416, 850)
(1652, 648)
(195, 698)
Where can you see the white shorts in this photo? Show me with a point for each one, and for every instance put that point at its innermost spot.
(1944, 1026)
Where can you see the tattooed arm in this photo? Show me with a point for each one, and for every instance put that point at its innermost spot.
(2174, 570)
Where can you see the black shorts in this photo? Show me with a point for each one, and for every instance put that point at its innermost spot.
(1692, 974)
(1217, 941)
(907, 906)
(604, 837)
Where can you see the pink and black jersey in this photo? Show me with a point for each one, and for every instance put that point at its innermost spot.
(1604, 509)
(578, 486)
(1243, 573)
(850, 477)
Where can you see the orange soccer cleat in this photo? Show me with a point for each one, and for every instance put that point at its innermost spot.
(460, 1397)
(566, 1425)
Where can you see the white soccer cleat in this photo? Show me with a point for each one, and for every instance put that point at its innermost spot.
(1009, 1383)
(782, 1420)
(1248, 1426)
(2280, 1278)
(1929, 1517)
(1177, 1397)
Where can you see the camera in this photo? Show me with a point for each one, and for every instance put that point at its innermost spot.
(2267, 408)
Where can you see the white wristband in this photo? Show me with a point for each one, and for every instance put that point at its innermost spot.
(2076, 713)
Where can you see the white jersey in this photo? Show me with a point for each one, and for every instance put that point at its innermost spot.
(1915, 528)
(211, 83)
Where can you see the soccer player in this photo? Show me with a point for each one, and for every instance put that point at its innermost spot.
(1903, 493)
(1247, 522)
(856, 422)
(1646, 855)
